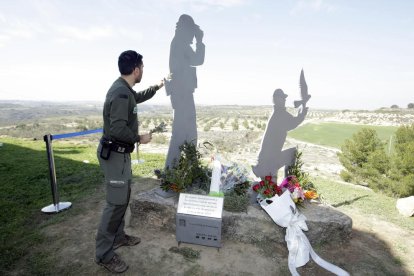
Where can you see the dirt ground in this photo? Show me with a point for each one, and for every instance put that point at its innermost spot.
(376, 248)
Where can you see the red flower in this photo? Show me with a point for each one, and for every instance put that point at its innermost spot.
(278, 190)
(267, 192)
(268, 178)
(256, 187)
(262, 183)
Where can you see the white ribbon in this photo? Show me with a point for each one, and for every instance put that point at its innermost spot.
(284, 213)
(299, 248)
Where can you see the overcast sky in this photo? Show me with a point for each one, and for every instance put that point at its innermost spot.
(356, 54)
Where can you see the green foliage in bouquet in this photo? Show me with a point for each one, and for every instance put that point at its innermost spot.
(302, 176)
(186, 172)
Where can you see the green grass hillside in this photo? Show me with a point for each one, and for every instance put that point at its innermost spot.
(25, 189)
(367, 202)
(334, 134)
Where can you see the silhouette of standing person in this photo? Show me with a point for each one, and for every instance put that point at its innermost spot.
(271, 157)
(180, 88)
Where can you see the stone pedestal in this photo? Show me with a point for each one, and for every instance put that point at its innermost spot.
(325, 223)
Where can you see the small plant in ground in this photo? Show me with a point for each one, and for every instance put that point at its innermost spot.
(234, 202)
(237, 199)
(186, 172)
(345, 175)
(188, 253)
(207, 127)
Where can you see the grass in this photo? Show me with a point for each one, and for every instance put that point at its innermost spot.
(334, 134)
(25, 189)
(349, 197)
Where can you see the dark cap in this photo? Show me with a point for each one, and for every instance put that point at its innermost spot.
(279, 94)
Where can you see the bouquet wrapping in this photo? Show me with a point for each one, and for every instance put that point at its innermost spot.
(284, 213)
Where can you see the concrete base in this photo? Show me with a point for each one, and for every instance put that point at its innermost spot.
(326, 224)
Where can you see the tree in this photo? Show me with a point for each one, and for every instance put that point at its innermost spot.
(235, 124)
(358, 155)
(410, 105)
(402, 165)
(394, 106)
(365, 160)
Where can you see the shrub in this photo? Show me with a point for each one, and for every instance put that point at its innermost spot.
(365, 161)
(402, 163)
(186, 172)
(234, 202)
(207, 127)
(345, 176)
(235, 124)
(356, 153)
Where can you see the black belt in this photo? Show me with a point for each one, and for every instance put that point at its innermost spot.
(117, 146)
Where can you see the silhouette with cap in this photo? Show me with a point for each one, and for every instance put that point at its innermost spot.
(271, 156)
(182, 84)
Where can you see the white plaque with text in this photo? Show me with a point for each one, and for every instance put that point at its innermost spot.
(200, 205)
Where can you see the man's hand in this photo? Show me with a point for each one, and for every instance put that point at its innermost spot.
(161, 84)
(145, 138)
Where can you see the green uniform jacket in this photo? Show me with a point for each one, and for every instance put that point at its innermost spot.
(120, 112)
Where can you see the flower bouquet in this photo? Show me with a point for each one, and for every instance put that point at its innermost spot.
(284, 213)
(267, 188)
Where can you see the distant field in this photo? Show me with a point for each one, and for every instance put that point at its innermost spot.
(334, 134)
(229, 128)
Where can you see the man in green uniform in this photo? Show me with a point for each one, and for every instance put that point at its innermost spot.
(120, 133)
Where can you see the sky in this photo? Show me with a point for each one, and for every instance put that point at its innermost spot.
(355, 54)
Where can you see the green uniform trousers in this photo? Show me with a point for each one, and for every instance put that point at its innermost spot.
(118, 175)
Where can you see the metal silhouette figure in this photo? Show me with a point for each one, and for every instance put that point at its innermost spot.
(271, 156)
(182, 84)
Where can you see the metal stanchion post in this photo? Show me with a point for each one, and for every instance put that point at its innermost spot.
(56, 206)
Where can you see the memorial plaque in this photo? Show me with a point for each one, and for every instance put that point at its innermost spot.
(200, 205)
(198, 219)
